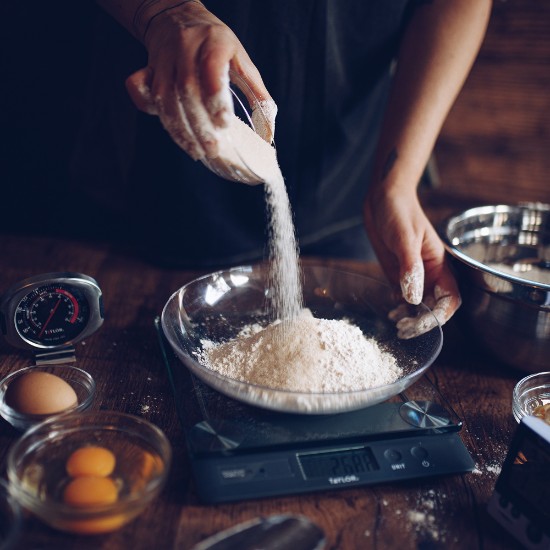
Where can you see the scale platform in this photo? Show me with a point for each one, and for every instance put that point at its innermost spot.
(241, 452)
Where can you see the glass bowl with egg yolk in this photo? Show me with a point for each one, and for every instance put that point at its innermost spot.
(91, 472)
(32, 394)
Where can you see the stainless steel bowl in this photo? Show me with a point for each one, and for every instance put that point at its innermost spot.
(502, 259)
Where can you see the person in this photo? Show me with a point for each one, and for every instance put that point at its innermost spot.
(362, 90)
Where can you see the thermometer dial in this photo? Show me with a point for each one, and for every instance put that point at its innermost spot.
(52, 310)
(52, 314)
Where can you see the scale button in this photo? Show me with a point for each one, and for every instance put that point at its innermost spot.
(392, 455)
(419, 452)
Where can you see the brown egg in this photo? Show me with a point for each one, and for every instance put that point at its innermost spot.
(40, 393)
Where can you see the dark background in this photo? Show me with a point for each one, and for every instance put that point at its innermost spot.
(494, 146)
(45, 50)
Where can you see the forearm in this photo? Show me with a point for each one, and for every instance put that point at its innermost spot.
(437, 52)
(191, 56)
(136, 15)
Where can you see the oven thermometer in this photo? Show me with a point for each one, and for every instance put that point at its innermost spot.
(51, 311)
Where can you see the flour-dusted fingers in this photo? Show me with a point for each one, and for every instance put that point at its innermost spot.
(218, 99)
(412, 321)
(443, 304)
(175, 122)
(400, 312)
(412, 282)
(411, 327)
(138, 86)
(198, 119)
(263, 119)
(264, 109)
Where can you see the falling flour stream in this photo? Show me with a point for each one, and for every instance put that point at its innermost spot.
(297, 352)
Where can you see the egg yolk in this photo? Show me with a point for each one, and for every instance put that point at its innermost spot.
(91, 461)
(85, 492)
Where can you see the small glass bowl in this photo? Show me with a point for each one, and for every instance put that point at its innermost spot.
(10, 518)
(36, 468)
(529, 393)
(82, 383)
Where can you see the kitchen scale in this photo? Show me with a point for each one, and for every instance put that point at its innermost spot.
(240, 452)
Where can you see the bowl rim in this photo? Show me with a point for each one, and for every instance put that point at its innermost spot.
(312, 395)
(527, 379)
(517, 403)
(443, 230)
(61, 510)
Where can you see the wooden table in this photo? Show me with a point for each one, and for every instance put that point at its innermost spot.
(124, 358)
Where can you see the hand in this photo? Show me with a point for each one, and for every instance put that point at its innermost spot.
(186, 81)
(412, 257)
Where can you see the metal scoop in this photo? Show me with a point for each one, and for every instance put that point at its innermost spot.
(242, 172)
(278, 532)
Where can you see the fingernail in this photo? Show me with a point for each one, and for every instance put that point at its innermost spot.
(263, 119)
(412, 284)
(443, 307)
(145, 92)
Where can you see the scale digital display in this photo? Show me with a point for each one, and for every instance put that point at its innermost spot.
(338, 464)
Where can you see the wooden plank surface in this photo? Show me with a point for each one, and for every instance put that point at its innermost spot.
(123, 357)
(494, 145)
(494, 148)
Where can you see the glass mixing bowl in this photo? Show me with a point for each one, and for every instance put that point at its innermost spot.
(217, 306)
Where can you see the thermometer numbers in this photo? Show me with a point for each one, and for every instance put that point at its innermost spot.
(52, 314)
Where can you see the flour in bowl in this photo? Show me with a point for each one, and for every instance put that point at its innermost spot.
(312, 356)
